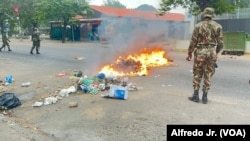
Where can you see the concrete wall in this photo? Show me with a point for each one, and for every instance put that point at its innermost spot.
(183, 45)
(247, 47)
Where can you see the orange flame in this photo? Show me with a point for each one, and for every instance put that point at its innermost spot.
(137, 64)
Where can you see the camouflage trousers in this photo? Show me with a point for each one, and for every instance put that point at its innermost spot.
(204, 67)
(35, 45)
(5, 43)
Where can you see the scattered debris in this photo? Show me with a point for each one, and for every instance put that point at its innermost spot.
(174, 65)
(62, 74)
(66, 92)
(132, 87)
(37, 104)
(7, 113)
(9, 79)
(26, 84)
(73, 104)
(54, 99)
(77, 73)
(50, 100)
(79, 58)
(2, 89)
(157, 75)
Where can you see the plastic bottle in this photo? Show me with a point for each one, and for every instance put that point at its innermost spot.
(26, 84)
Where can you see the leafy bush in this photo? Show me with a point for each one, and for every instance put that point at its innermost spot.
(248, 38)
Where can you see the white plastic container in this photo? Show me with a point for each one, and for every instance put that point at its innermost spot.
(26, 84)
(119, 92)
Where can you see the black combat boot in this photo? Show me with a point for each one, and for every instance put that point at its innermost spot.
(31, 51)
(204, 98)
(9, 48)
(37, 51)
(195, 96)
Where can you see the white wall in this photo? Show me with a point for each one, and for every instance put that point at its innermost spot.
(247, 47)
(190, 27)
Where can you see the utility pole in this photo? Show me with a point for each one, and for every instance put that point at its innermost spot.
(238, 9)
(19, 28)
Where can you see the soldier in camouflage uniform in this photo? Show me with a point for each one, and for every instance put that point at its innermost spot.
(206, 43)
(36, 41)
(6, 41)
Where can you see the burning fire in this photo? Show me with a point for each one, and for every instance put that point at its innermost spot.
(137, 64)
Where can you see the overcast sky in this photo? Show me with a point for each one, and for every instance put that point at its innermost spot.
(136, 3)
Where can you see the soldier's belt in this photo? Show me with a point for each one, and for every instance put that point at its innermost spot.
(206, 46)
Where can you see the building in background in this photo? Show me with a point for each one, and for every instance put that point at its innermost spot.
(110, 22)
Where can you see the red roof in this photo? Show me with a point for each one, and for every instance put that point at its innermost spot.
(78, 17)
(147, 15)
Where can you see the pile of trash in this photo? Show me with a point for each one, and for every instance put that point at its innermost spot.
(91, 85)
(116, 87)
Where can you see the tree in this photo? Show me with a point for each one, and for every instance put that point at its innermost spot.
(6, 14)
(27, 13)
(18, 13)
(146, 7)
(114, 3)
(61, 10)
(34, 13)
(196, 6)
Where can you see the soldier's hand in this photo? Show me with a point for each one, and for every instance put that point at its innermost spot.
(188, 58)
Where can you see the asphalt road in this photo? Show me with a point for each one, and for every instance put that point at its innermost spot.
(161, 99)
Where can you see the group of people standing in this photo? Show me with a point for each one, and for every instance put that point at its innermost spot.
(35, 38)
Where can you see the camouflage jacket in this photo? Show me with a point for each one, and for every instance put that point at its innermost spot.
(35, 36)
(209, 33)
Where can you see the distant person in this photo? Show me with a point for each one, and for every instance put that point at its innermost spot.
(206, 43)
(35, 38)
(5, 41)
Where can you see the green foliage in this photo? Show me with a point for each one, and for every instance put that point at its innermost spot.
(248, 38)
(61, 9)
(114, 3)
(26, 13)
(7, 15)
(33, 13)
(196, 6)
(146, 7)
